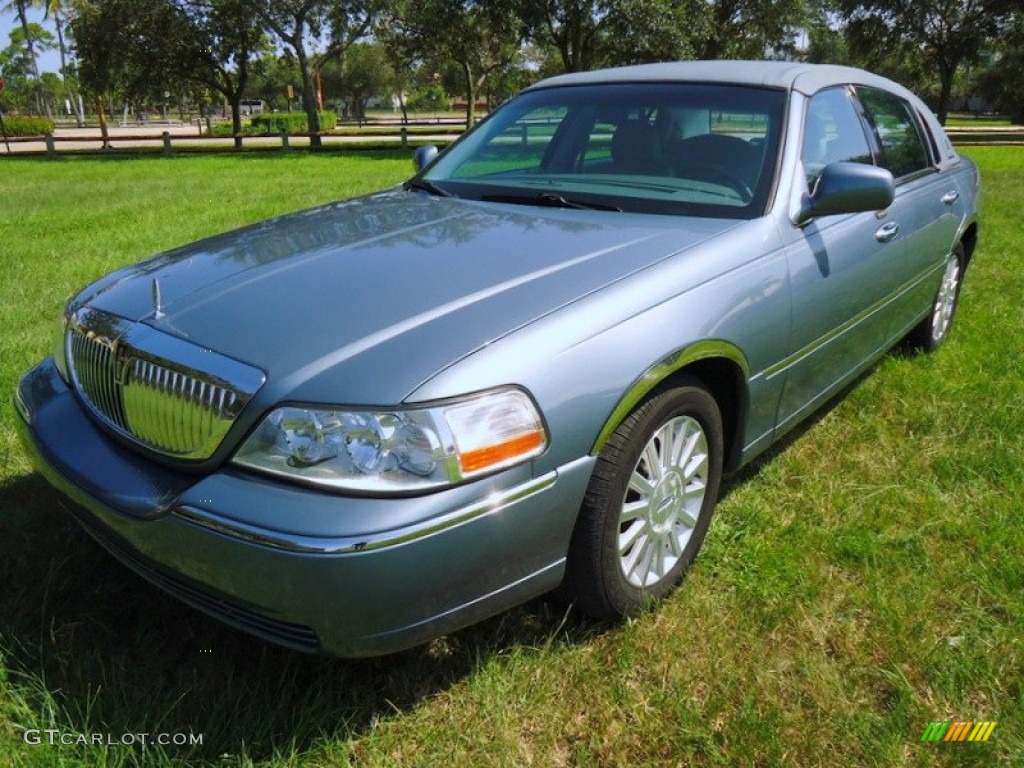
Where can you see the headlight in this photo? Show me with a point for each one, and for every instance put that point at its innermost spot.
(395, 451)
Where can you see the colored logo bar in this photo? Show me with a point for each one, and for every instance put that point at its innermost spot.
(959, 730)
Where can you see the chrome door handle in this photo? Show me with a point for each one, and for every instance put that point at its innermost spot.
(887, 232)
(951, 197)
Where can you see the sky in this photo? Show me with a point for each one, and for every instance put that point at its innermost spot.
(48, 61)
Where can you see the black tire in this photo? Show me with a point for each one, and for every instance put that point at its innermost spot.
(637, 510)
(929, 334)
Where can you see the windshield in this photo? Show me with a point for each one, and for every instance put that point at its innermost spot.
(673, 148)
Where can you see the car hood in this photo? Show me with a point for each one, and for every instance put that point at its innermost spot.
(362, 301)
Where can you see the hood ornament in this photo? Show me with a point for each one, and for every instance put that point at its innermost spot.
(158, 312)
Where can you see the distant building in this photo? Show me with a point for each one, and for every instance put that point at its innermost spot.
(252, 106)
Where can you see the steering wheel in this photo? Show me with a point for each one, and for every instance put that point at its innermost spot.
(718, 175)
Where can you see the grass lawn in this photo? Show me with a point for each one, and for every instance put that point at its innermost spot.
(865, 579)
(958, 120)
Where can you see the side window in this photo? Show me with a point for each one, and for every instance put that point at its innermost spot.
(833, 133)
(902, 148)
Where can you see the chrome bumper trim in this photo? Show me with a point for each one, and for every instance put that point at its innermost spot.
(20, 405)
(352, 544)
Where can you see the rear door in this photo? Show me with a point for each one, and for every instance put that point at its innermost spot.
(928, 207)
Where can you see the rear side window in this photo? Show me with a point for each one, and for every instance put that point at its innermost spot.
(902, 149)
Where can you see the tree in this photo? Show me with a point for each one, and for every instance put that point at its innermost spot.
(367, 73)
(29, 38)
(60, 11)
(752, 29)
(481, 37)
(100, 68)
(595, 33)
(403, 76)
(826, 39)
(223, 36)
(944, 33)
(301, 23)
(16, 66)
(150, 47)
(574, 28)
(1001, 80)
(271, 77)
(644, 31)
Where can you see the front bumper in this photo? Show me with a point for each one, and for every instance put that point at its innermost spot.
(309, 570)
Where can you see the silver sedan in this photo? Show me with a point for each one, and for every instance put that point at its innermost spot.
(354, 428)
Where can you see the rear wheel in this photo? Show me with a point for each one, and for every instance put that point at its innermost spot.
(934, 329)
(648, 505)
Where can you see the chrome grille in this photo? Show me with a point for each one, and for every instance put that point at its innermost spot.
(95, 368)
(148, 386)
(175, 412)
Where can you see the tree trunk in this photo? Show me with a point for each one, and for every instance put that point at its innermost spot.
(68, 93)
(59, 23)
(467, 73)
(581, 63)
(236, 117)
(236, 104)
(103, 122)
(946, 74)
(308, 94)
(565, 41)
(403, 107)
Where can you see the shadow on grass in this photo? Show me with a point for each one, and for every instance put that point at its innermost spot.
(750, 471)
(109, 653)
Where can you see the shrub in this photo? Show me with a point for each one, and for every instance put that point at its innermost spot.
(293, 122)
(223, 130)
(27, 126)
(429, 99)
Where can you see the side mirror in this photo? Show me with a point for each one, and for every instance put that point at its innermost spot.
(424, 156)
(848, 188)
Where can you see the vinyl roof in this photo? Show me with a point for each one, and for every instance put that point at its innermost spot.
(805, 78)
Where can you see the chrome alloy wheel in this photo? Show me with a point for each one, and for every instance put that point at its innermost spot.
(945, 301)
(663, 501)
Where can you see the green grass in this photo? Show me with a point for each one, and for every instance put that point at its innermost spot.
(957, 120)
(860, 582)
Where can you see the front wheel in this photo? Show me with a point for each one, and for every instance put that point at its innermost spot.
(648, 505)
(934, 329)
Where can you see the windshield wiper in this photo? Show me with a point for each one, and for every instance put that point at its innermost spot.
(549, 200)
(423, 185)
